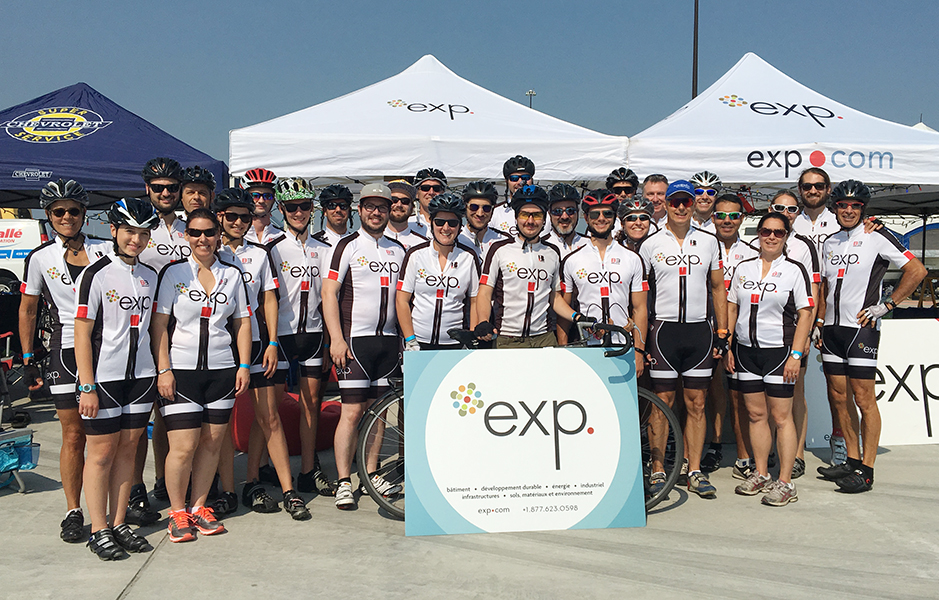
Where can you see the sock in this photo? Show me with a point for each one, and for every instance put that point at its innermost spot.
(345, 480)
(690, 473)
(194, 510)
(78, 510)
(854, 463)
(866, 472)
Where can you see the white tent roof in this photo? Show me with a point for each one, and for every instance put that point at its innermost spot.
(923, 126)
(425, 116)
(754, 119)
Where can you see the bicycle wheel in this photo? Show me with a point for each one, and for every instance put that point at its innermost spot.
(658, 422)
(380, 453)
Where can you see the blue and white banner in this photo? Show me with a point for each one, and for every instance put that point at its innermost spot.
(521, 440)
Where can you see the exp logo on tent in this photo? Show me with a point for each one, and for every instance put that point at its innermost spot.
(53, 125)
(816, 113)
(451, 109)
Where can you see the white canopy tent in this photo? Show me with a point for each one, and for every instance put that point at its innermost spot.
(426, 116)
(757, 125)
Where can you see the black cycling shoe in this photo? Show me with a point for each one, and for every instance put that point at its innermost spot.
(138, 508)
(316, 482)
(129, 540)
(159, 490)
(226, 504)
(73, 527)
(835, 472)
(798, 468)
(294, 505)
(103, 544)
(855, 483)
(267, 474)
(711, 461)
(257, 499)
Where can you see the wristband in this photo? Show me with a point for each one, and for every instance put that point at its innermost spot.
(720, 331)
(27, 355)
(244, 366)
(272, 344)
(161, 371)
(822, 321)
(796, 354)
(410, 338)
(574, 315)
(87, 388)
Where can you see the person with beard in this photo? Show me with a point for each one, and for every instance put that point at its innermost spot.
(335, 202)
(260, 184)
(636, 218)
(400, 227)
(517, 171)
(480, 200)
(563, 205)
(428, 183)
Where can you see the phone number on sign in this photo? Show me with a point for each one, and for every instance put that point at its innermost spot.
(551, 508)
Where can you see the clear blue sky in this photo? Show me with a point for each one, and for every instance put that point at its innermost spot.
(199, 69)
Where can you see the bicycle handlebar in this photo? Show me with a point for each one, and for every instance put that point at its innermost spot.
(587, 328)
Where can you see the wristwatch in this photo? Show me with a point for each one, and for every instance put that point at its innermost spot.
(86, 388)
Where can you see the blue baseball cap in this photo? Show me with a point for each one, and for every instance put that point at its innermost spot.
(679, 187)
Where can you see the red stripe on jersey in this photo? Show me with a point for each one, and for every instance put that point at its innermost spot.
(440, 293)
(645, 286)
(400, 285)
(385, 281)
(276, 283)
(840, 273)
(811, 303)
(23, 288)
(250, 312)
(206, 312)
(134, 320)
(726, 284)
(816, 278)
(304, 286)
(482, 280)
(720, 264)
(531, 286)
(82, 312)
(333, 275)
(754, 298)
(604, 292)
(563, 288)
(683, 271)
(908, 255)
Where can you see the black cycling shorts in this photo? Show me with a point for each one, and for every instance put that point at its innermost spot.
(366, 377)
(683, 349)
(760, 370)
(122, 405)
(201, 397)
(307, 349)
(258, 380)
(850, 351)
(62, 378)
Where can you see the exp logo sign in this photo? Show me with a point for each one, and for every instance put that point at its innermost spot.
(789, 160)
(54, 125)
(817, 114)
(429, 107)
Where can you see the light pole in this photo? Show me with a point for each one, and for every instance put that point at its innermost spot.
(694, 66)
(531, 94)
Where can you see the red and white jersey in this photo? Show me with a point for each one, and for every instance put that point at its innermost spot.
(854, 264)
(368, 270)
(268, 234)
(408, 238)
(680, 275)
(481, 243)
(299, 266)
(768, 306)
(738, 251)
(46, 274)
(257, 269)
(167, 244)
(825, 225)
(201, 336)
(503, 219)
(577, 241)
(801, 249)
(440, 297)
(604, 286)
(523, 276)
(118, 297)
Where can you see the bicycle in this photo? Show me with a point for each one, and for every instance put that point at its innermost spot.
(380, 449)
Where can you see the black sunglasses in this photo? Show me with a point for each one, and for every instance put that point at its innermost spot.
(262, 195)
(428, 187)
(406, 200)
(295, 206)
(333, 205)
(197, 233)
(570, 211)
(159, 187)
(596, 214)
(818, 186)
(235, 217)
(450, 222)
(639, 217)
(486, 208)
(628, 189)
(60, 212)
(514, 178)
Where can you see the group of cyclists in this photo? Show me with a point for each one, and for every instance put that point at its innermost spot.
(177, 316)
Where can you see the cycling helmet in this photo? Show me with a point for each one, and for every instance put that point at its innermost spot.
(233, 198)
(636, 204)
(160, 168)
(560, 192)
(258, 178)
(600, 197)
(62, 190)
(293, 188)
(133, 212)
(622, 174)
(430, 173)
(197, 174)
(518, 164)
(706, 179)
(529, 194)
(480, 189)
(850, 188)
(447, 202)
(335, 192)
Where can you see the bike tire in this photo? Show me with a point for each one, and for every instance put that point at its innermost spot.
(384, 421)
(675, 447)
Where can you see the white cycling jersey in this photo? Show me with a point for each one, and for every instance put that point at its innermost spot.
(257, 269)
(118, 297)
(854, 264)
(680, 275)
(738, 251)
(299, 267)
(200, 337)
(801, 249)
(367, 269)
(408, 238)
(817, 232)
(522, 276)
(440, 297)
(418, 225)
(577, 241)
(268, 234)
(503, 219)
(166, 245)
(705, 225)
(481, 243)
(46, 274)
(768, 306)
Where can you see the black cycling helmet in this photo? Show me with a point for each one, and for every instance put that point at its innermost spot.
(259, 178)
(622, 174)
(600, 197)
(197, 174)
(62, 190)
(480, 189)
(518, 164)
(161, 168)
(133, 212)
(850, 188)
(335, 193)
(529, 194)
(447, 202)
(636, 204)
(232, 198)
(430, 173)
(560, 192)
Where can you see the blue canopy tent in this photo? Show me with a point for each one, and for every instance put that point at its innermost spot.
(77, 133)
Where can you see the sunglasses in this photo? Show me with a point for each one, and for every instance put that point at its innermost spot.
(531, 216)
(158, 188)
(450, 222)
(514, 178)
(60, 212)
(634, 218)
(406, 200)
(596, 214)
(704, 192)
(570, 211)
(295, 206)
(733, 216)
(235, 217)
(262, 195)
(676, 202)
(777, 233)
(821, 185)
(428, 188)
(197, 233)
(486, 208)
(841, 204)
(624, 190)
(333, 205)
(782, 208)
(382, 208)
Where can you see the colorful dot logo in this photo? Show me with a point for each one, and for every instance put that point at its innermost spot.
(512, 267)
(362, 261)
(284, 266)
(53, 273)
(181, 288)
(397, 103)
(733, 100)
(660, 257)
(467, 399)
(422, 273)
(151, 243)
(112, 295)
(581, 273)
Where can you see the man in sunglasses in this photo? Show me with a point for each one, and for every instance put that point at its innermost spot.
(707, 186)
(623, 183)
(480, 199)
(517, 172)
(853, 266)
(336, 203)
(654, 188)
(162, 177)
(400, 227)
(563, 209)
(260, 184)
(428, 183)
(684, 265)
